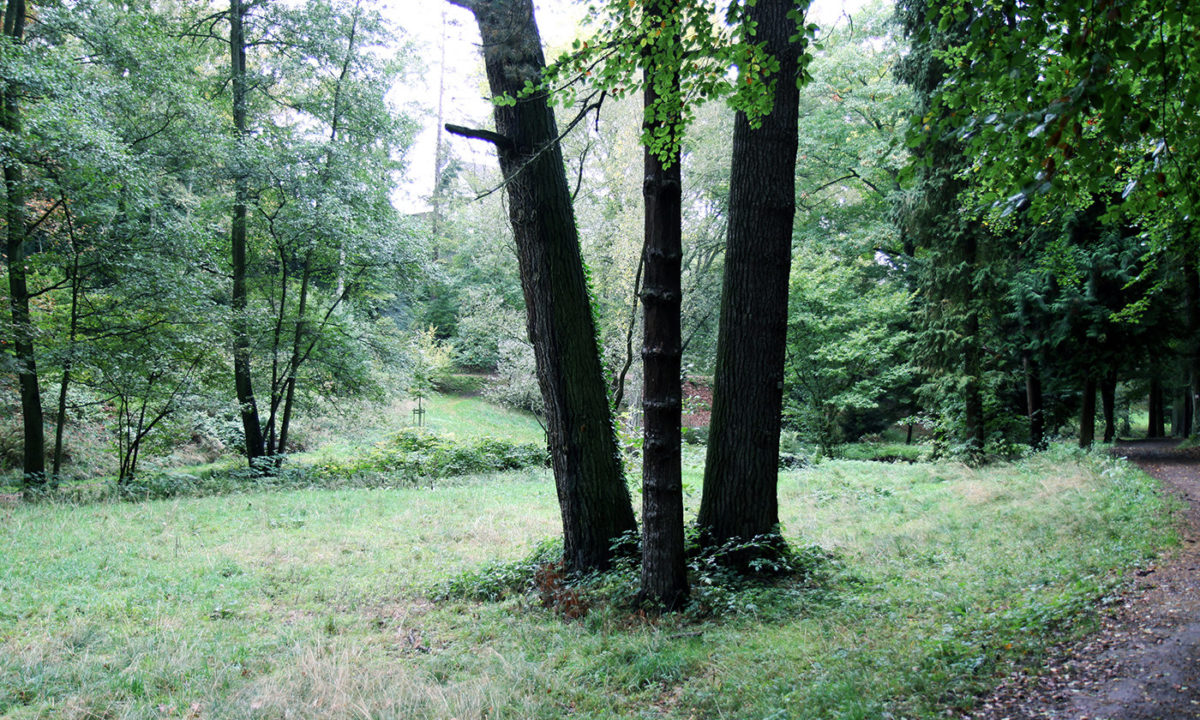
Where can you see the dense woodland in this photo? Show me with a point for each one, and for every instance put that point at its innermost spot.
(960, 222)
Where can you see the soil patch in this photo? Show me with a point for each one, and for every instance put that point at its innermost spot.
(1144, 661)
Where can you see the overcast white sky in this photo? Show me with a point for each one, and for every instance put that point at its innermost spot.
(465, 103)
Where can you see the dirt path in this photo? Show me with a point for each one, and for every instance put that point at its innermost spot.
(1144, 662)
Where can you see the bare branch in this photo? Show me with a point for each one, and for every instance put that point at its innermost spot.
(494, 138)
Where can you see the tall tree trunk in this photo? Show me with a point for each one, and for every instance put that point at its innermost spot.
(742, 467)
(34, 464)
(592, 495)
(1157, 425)
(1108, 404)
(1034, 402)
(243, 384)
(664, 570)
(1087, 414)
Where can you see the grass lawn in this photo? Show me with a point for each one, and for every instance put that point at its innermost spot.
(315, 604)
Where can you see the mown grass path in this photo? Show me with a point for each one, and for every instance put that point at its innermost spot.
(1144, 661)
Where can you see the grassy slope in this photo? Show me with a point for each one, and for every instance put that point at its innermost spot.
(311, 604)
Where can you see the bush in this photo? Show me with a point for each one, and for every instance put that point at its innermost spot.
(418, 453)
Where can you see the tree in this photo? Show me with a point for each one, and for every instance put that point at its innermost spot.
(17, 228)
(664, 572)
(945, 236)
(847, 343)
(741, 472)
(592, 495)
(1072, 99)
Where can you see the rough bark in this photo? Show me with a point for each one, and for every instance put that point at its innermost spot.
(244, 386)
(742, 467)
(1087, 414)
(1034, 402)
(664, 572)
(592, 495)
(34, 464)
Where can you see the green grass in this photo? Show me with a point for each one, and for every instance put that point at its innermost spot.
(461, 416)
(314, 604)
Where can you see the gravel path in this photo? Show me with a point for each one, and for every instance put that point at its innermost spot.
(1144, 661)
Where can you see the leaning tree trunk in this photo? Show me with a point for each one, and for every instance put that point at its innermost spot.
(664, 570)
(742, 467)
(592, 495)
(1087, 414)
(244, 386)
(34, 464)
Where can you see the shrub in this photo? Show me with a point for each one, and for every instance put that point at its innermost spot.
(418, 453)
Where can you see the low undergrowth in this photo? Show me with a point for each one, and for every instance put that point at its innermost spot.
(933, 580)
(777, 583)
(410, 457)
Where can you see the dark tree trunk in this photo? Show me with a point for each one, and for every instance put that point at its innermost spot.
(1033, 402)
(299, 331)
(664, 570)
(1186, 409)
(742, 467)
(1192, 316)
(1157, 425)
(1108, 403)
(34, 464)
(243, 384)
(1087, 414)
(592, 495)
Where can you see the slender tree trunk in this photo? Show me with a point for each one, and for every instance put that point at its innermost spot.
(65, 383)
(1186, 409)
(1178, 411)
(664, 570)
(1033, 402)
(297, 355)
(592, 495)
(1108, 404)
(1192, 312)
(1087, 414)
(742, 467)
(243, 383)
(33, 426)
(1157, 425)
